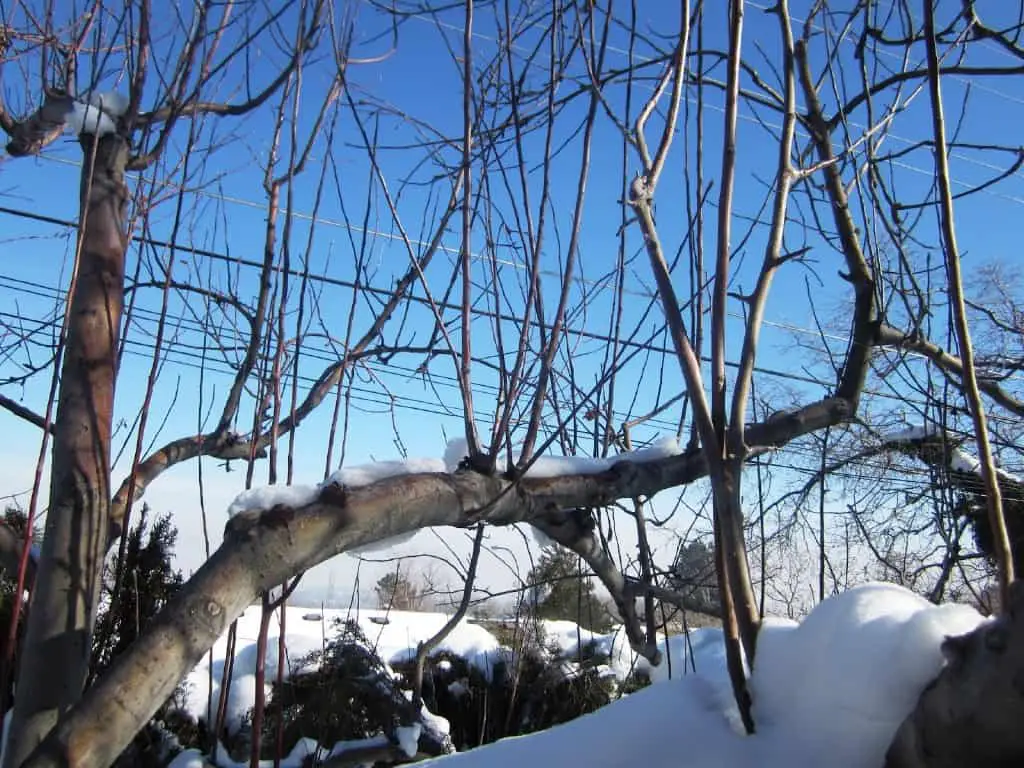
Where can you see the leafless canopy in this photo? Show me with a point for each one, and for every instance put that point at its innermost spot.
(604, 224)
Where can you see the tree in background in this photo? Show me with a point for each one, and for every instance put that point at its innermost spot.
(16, 521)
(693, 576)
(148, 581)
(135, 587)
(559, 589)
(138, 582)
(400, 592)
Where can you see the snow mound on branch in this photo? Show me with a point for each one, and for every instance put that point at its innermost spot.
(559, 466)
(959, 459)
(456, 450)
(269, 496)
(365, 474)
(97, 113)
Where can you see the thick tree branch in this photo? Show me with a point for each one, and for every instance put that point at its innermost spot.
(22, 412)
(263, 548)
(951, 364)
(40, 129)
(858, 273)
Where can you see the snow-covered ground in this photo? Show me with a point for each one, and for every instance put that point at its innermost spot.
(394, 635)
(830, 691)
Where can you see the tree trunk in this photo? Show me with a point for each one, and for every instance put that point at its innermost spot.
(66, 593)
(740, 616)
(971, 714)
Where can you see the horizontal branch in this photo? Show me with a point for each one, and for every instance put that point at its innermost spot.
(224, 446)
(951, 364)
(44, 126)
(677, 598)
(22, 412)
(266, 547)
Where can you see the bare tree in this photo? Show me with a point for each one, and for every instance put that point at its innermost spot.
(492, 298)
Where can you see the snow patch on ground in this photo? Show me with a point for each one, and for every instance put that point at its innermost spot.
(394, 635)
(831, 691)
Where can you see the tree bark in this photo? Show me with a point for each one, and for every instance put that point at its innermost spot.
(739, 606)
(263, 548)
(66, 593)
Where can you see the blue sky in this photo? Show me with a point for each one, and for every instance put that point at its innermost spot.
(419, 85)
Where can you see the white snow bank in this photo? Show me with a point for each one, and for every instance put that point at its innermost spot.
(853, 670)
(831, 691)
(395, 636)
(663, 726)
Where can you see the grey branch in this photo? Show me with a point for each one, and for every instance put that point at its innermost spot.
(265, 547)
(947, 363)
(41, 128)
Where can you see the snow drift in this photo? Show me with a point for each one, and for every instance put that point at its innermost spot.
(830, 691)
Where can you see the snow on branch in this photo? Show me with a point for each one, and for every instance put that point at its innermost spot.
(931, 437)
(266, 545)
(97, 114)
